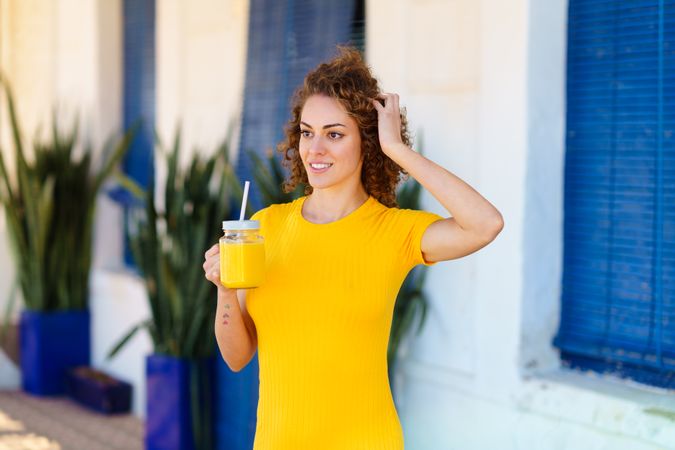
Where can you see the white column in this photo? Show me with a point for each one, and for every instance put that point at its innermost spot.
(201, 61)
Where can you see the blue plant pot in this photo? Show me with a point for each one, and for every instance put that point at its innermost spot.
(173, 386)
(51, 343)
(236, 405)
(98, 391)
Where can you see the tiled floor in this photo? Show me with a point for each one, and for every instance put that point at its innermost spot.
(35, 423)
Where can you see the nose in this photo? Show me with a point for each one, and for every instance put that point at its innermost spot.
(316, 146)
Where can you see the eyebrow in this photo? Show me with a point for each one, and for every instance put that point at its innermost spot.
(330, 125)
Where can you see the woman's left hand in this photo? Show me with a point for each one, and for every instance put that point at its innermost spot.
(389, 123)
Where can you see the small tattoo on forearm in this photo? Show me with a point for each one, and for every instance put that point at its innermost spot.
(227, 306)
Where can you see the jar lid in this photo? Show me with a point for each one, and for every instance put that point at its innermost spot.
(241, 224)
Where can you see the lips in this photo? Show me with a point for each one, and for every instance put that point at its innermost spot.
(319, 167)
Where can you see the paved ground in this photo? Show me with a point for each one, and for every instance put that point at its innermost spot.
(36, 423)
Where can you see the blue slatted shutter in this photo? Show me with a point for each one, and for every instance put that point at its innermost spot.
(139, 97)
(618, 293)
(139, 85)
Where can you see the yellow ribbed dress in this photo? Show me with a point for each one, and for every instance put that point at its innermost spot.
(323, 317)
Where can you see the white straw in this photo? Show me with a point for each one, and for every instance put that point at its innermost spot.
(243, 202)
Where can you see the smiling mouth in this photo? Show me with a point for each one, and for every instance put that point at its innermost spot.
(320, 167)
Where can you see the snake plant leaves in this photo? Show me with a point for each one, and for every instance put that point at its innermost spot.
(168, 245)
(49, 201)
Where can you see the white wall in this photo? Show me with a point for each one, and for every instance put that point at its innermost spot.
(201, 61)
(484, 80)
(448, 71)
(542, 230)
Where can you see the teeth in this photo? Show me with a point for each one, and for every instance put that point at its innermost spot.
(320, 166)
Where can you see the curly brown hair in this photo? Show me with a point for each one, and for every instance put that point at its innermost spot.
(346, 78)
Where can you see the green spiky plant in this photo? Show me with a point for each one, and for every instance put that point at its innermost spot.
(50, 204)
(167, 246)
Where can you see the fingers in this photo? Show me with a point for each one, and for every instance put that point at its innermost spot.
(391, 102)
(212, 273)
(211, 264)
(212, 251)
(211, 267)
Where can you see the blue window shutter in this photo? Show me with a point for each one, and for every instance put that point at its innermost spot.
(139, 85)
(357, 37)
(618, 293)
(139, 96)
(286, 39)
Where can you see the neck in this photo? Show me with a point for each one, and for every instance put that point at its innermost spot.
(325, 205)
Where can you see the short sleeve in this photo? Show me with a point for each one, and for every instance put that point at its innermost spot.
(257, 215)
(413, 224)
(261, 215)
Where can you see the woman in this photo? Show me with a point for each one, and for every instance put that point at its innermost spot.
(336, 259)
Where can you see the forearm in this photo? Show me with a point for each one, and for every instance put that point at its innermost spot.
(234, 340)
(470, 210)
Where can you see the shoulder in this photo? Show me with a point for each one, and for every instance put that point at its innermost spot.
(275, 211)
(414, 215)
(401, 221)
(404, 216)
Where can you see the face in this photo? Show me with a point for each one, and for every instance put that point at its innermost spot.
(330, 144)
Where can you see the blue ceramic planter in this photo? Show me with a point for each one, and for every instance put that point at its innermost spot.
(236, 406)
(51, 343)
(173, 386)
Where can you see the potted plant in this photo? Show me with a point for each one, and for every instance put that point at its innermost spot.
(167, 245)
(49, 201)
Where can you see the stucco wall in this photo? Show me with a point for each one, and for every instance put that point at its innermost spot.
(449, 70)
(485, 82)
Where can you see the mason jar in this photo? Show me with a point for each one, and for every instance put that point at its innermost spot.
(242, 254)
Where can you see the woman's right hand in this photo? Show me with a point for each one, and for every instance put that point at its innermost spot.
(212, 266)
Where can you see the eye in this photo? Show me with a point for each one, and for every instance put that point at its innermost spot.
(305, 133)
(334, 135)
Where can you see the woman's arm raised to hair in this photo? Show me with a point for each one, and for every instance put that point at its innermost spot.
(475, 222)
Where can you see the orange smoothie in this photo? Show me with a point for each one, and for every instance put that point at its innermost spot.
(242, 264)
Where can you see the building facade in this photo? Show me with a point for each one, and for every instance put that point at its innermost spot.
(485, 83)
